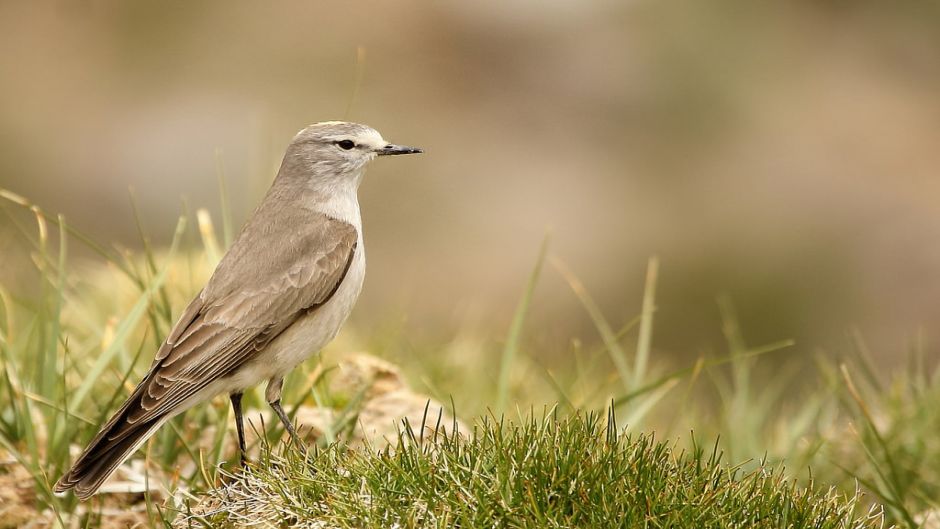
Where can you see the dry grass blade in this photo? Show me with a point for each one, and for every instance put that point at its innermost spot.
(645, 339)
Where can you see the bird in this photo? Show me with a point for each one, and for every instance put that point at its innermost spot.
(280, 293)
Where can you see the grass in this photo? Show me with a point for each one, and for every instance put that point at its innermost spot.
(551, 471)
(72, 349)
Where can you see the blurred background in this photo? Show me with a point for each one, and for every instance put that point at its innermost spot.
(785, 154)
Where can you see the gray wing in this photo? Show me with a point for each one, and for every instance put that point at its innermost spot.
(277, 270)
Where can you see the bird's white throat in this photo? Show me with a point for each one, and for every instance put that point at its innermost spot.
(339, 199)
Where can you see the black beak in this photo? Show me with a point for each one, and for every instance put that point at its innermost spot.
(397, 149)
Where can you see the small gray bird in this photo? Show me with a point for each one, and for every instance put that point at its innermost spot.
(280, 293)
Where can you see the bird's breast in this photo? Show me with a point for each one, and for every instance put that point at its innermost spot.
(315, 329)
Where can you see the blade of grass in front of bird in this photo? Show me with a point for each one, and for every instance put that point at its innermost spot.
(511, 348)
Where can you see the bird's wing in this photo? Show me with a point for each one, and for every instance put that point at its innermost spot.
(276, 271)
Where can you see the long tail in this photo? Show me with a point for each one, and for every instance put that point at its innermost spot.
(116, 441)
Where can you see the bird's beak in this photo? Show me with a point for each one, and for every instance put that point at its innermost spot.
(397, 149)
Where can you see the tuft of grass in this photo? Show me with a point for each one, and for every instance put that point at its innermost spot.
(894, 430)
(548, 471)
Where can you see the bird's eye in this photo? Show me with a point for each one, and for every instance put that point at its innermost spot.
(345, 144)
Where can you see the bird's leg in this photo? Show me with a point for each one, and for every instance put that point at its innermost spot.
(239, 426)
(273, 396)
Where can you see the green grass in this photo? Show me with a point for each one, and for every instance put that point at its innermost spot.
(72, 349)
(574, 471)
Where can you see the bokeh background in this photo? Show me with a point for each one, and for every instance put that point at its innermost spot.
(785, 154)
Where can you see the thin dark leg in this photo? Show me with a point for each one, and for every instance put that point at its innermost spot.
(285, 420)
(239, 426)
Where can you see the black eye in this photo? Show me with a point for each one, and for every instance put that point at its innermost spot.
(345, 144)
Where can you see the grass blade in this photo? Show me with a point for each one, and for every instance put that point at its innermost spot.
(511, 349)
(646, 322)
(617, 354)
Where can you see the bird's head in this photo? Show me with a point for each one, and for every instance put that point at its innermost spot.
(338, 149)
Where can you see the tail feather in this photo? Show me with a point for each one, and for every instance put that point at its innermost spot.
(116, 441)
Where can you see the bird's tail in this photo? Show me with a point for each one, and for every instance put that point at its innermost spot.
(116, 441)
